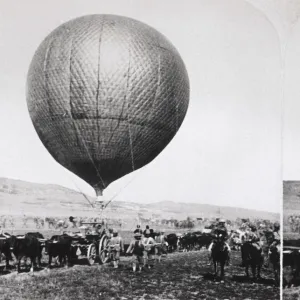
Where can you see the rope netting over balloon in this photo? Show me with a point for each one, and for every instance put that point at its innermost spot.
(106, 95)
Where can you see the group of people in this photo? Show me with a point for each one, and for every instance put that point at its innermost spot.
(144, 246)
(251, 236)
(147, 244)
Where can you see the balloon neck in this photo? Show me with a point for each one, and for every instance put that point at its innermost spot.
(100, 199)
(99, 192)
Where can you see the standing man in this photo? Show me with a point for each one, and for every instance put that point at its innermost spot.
(161, 245)
(147, 228)
(149, 245)
(138, 229)
(136, 248)
(72, 222)
(116, 246)
(275, 241)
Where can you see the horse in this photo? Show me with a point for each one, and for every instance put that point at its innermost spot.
(253, 258)
(219, 254)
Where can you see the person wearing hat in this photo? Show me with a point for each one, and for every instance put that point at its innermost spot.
(275, 241)
(152, 233)
(252, 237)
(136, 248)
(147, 228)
(276, 235)
(72, 222)
(116, 246)
(161, 245)
(219, 230)
(138, 229)
(149, 248)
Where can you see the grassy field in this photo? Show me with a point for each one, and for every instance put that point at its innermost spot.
(179, 276)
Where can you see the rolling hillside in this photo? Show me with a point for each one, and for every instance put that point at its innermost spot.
(25, 198)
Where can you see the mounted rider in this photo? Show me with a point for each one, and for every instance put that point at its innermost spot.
(251, 237)
(220, 233)
(275, 241)
(116, 246)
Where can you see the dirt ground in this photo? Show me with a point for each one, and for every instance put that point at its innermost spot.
(178, 276)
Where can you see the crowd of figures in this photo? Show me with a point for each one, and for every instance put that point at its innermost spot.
(257, 246)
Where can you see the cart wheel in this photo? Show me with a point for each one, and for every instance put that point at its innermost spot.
(91, 254)
(103, 250)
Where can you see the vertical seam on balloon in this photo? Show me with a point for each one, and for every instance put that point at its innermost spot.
(45, 63)
(127, 117)
(70, 98)
(77, 132)
(98, 84)
(155, 98)
(157, 85)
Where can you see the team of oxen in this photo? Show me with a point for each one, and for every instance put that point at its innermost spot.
(31, 245)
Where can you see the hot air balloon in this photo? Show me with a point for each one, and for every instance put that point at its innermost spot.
(106, 94)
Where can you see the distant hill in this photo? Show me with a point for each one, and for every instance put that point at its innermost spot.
(19, 197)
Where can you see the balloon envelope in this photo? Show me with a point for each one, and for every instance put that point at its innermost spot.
(106, 94)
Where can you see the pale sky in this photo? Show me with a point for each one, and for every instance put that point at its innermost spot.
(291, 124)
(228, 150)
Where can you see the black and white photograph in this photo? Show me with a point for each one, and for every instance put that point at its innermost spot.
(291, 166)
(142, 151)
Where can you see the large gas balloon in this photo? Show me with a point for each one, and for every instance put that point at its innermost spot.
(106, 94)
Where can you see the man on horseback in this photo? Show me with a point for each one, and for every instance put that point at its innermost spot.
(252, 238)
(275, 241)
(220, 233)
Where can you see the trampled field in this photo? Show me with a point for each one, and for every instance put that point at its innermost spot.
(179, 276)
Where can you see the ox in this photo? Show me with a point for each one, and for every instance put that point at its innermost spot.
(5, 249)
(25, 246)
(59, 246)
(172, 241)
